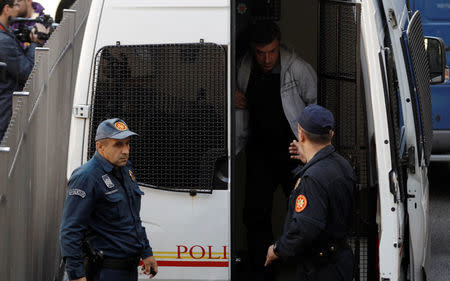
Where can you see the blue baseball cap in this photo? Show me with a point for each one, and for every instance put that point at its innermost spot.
(316, 119)
(113, 129)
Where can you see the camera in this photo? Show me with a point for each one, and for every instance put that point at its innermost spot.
(22, 32)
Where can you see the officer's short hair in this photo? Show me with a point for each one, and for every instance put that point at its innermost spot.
(264, 32)
(3, 3)
(318, 139)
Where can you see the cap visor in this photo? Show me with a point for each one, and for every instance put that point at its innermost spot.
(123, 135)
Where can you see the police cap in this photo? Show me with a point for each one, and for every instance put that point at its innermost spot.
(113, 129)
(316, 119)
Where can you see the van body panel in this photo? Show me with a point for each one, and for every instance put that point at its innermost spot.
(190, 234)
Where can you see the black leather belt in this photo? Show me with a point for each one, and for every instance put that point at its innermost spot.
(129, 264)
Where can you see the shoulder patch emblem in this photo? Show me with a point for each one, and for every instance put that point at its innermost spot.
(77, 192)
(120, 126)
(107, 181)
(300, 203)
(131, 175)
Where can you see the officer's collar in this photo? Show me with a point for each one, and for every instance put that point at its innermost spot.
(324, 152)
(105, 163)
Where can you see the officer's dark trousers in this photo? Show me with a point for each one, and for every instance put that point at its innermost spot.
(340, 269)
(264, 174)
(106, 274)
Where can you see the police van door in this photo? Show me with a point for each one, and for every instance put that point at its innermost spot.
(165, 73)
(415, 138)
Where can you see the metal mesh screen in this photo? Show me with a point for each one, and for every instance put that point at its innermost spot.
(174, 97)
(421, 71)
(340, 92)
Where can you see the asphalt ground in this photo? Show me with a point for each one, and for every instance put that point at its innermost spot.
(439, 177)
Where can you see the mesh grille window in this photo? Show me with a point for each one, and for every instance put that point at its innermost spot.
(174, 97)
(422, 96)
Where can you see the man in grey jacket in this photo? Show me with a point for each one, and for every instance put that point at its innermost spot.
(274, 85)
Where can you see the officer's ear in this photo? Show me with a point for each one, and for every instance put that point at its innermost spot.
(301, 135)
(100, 144)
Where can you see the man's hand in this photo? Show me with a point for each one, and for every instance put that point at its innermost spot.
(241, 100)
(271, 256)
(81, 279)
(296, 151)
(150, 267)
(38, 28)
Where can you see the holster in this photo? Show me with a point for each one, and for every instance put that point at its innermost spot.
(93, 261)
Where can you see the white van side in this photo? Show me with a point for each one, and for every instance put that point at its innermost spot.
(167, 69)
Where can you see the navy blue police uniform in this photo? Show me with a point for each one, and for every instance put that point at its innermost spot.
(320, 214)
(102, 208)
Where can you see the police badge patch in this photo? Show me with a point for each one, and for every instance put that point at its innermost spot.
(77, 192)
(131, 175)
(107, 181)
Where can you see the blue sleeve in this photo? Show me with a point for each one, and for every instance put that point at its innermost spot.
(19, 62)
(147, 252)
(304, 225)
(79, 204)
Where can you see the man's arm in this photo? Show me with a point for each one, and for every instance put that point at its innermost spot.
(150, 266)
(308, 82)
(308, 219)
(78, 207)
(19, 63)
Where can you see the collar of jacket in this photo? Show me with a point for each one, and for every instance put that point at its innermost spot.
(2, 27)
(321, 154)
(107, 167)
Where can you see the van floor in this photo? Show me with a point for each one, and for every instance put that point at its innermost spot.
(439, 222)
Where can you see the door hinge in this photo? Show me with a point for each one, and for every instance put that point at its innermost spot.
(409, 160)
(81, 110)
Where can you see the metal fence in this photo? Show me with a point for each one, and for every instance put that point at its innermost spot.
(33, 157)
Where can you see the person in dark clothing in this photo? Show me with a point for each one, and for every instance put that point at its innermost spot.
(273, 87)
(102, 210)
(29, 10)
(320, 206)
(19, 61)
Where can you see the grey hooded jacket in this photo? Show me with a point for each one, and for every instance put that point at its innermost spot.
(298, 88)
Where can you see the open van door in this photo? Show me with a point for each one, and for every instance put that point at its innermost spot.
(418, 198)
(408, 66)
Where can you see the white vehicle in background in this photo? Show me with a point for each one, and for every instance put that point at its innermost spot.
(167, 68)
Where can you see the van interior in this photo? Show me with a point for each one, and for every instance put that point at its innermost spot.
(327, 35)
(173, 92)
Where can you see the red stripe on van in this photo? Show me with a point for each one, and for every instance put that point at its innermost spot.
(193, 263)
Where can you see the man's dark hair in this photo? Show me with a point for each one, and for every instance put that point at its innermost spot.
(264, 32)
(319, 139)
(3, 3)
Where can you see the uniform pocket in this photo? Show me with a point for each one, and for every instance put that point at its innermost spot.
(115, 205)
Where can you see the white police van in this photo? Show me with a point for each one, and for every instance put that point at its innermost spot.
(167, 67)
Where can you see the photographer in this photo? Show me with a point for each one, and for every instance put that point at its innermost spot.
(19, 61)
(30, 10)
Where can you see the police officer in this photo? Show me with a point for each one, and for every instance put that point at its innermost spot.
(102, 211)
(320, 206)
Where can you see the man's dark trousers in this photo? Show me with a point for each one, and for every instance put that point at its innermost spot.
(264, 174)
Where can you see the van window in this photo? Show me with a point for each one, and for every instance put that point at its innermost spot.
(174, 97)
